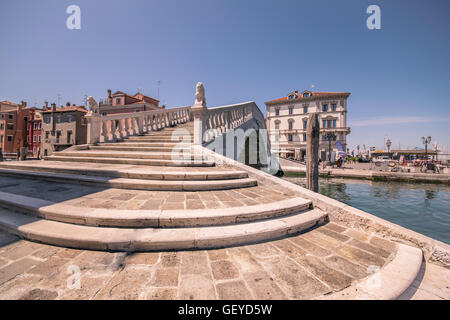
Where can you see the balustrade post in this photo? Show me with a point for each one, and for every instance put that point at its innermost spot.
(199, 117)
(93, 128)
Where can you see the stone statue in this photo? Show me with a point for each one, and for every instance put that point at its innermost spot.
(93, 106)
(200, 95)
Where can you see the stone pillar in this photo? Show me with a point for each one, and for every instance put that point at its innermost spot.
(93, 128)
(312, 149)
(198, 112)
(1, 155)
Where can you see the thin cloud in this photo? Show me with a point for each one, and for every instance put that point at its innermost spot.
(396, 120)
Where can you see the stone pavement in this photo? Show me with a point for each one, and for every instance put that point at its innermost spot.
(324, 260)
(110, 198)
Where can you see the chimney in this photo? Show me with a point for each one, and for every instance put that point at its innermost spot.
(109, 99)
(53, 107)
(296, 91)
(53, 118)
(67, 104)
(46, 105)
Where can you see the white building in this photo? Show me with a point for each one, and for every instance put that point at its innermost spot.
(286, 120)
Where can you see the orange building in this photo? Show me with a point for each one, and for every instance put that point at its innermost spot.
(120, 102)
(13, 126)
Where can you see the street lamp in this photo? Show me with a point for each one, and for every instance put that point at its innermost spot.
(330, 137)
(388, 144)
(426, 141)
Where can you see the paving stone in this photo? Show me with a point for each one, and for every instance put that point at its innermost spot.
(335, 227)
(194, 262)
(243, 260)
(224, 269)
(127, 284)
(39, 294)
(20, 249)
(344, 265)
(361, 236)
(359, 256)
(152, 205)
(322, 240)
(162, 294)
(263, 286)
(263, 249)
(333, 278)
(18, 286)
(370, 248)
(383, 243)
(290, 277)
(172, 206)
(333, 234)
(289, 248)
(220, 254)
(196, 287)
(194, 204)
(46, 252)
(48, 267)
(170, 259)
(234, 290)
(165, 277)
(147, 258)
(14, 269)
(69, 253)
(89, 286)
(310, 247)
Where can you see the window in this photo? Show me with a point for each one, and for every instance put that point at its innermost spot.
(46, 134)
(328, 123)
(277, 125)
(305, 109)
(47, 119)
(9, 126)
(10, 116)
(69, 136)
(34, 149)
(39, 138)
(9, 138)
(138, 110)
(277, 112)
(40, 125)
(118, 101)
(324, 123)
(333, 107)
(69, 118)
(291, 97)
(306, 95)
(1, 126)
(304, 137)
(58, 119)
(34, 138)
(305, 124)
(334, 123)
(290, 137)
(1, 139)
(104, 113)
(28, 127)
(291, 125)
(325, 108)
(291, 110)
(58, 134)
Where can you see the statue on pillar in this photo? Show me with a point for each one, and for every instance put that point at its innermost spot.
(200, 95)
(93, 107)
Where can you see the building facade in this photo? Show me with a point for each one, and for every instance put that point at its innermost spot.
(13, 126)
(119, 102)
(34, 134)
(63, 127)
(287, 120)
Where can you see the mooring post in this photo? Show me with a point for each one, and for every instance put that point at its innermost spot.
(312, 153)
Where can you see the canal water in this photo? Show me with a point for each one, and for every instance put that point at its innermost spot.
(424, 208)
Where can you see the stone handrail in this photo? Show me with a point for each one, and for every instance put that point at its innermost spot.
(121, 125)
(212, 122)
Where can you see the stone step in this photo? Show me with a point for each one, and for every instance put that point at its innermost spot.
(149, 162)
(121, 147)
(167, 139)
(155, 239)
(146, 144)
(152, 218)
(137, 173)
(131, 154)
(133, 184)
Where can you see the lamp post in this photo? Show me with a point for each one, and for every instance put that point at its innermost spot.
(426, 141)
(330, 137)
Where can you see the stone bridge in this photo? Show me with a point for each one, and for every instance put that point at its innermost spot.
(171, 180)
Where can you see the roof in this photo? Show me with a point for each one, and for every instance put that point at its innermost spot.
(312, 96)
(8, 102)
(67, 109)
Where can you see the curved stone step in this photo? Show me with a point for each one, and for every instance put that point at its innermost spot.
(160, 140)
(187, 148)
(134, 184)
(151, 218)
(150, 239)
(146, 144)
(141, 173)
(132, 154)
(149, 162)
(387, 283)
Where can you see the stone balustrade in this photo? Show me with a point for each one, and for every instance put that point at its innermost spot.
(118, 126)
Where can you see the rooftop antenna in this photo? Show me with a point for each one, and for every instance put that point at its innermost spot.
(85, 100)
(59, 99)
(312, 88)
(139, 90)
(159, 84)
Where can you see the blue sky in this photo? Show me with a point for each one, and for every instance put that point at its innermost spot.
(399, 76)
